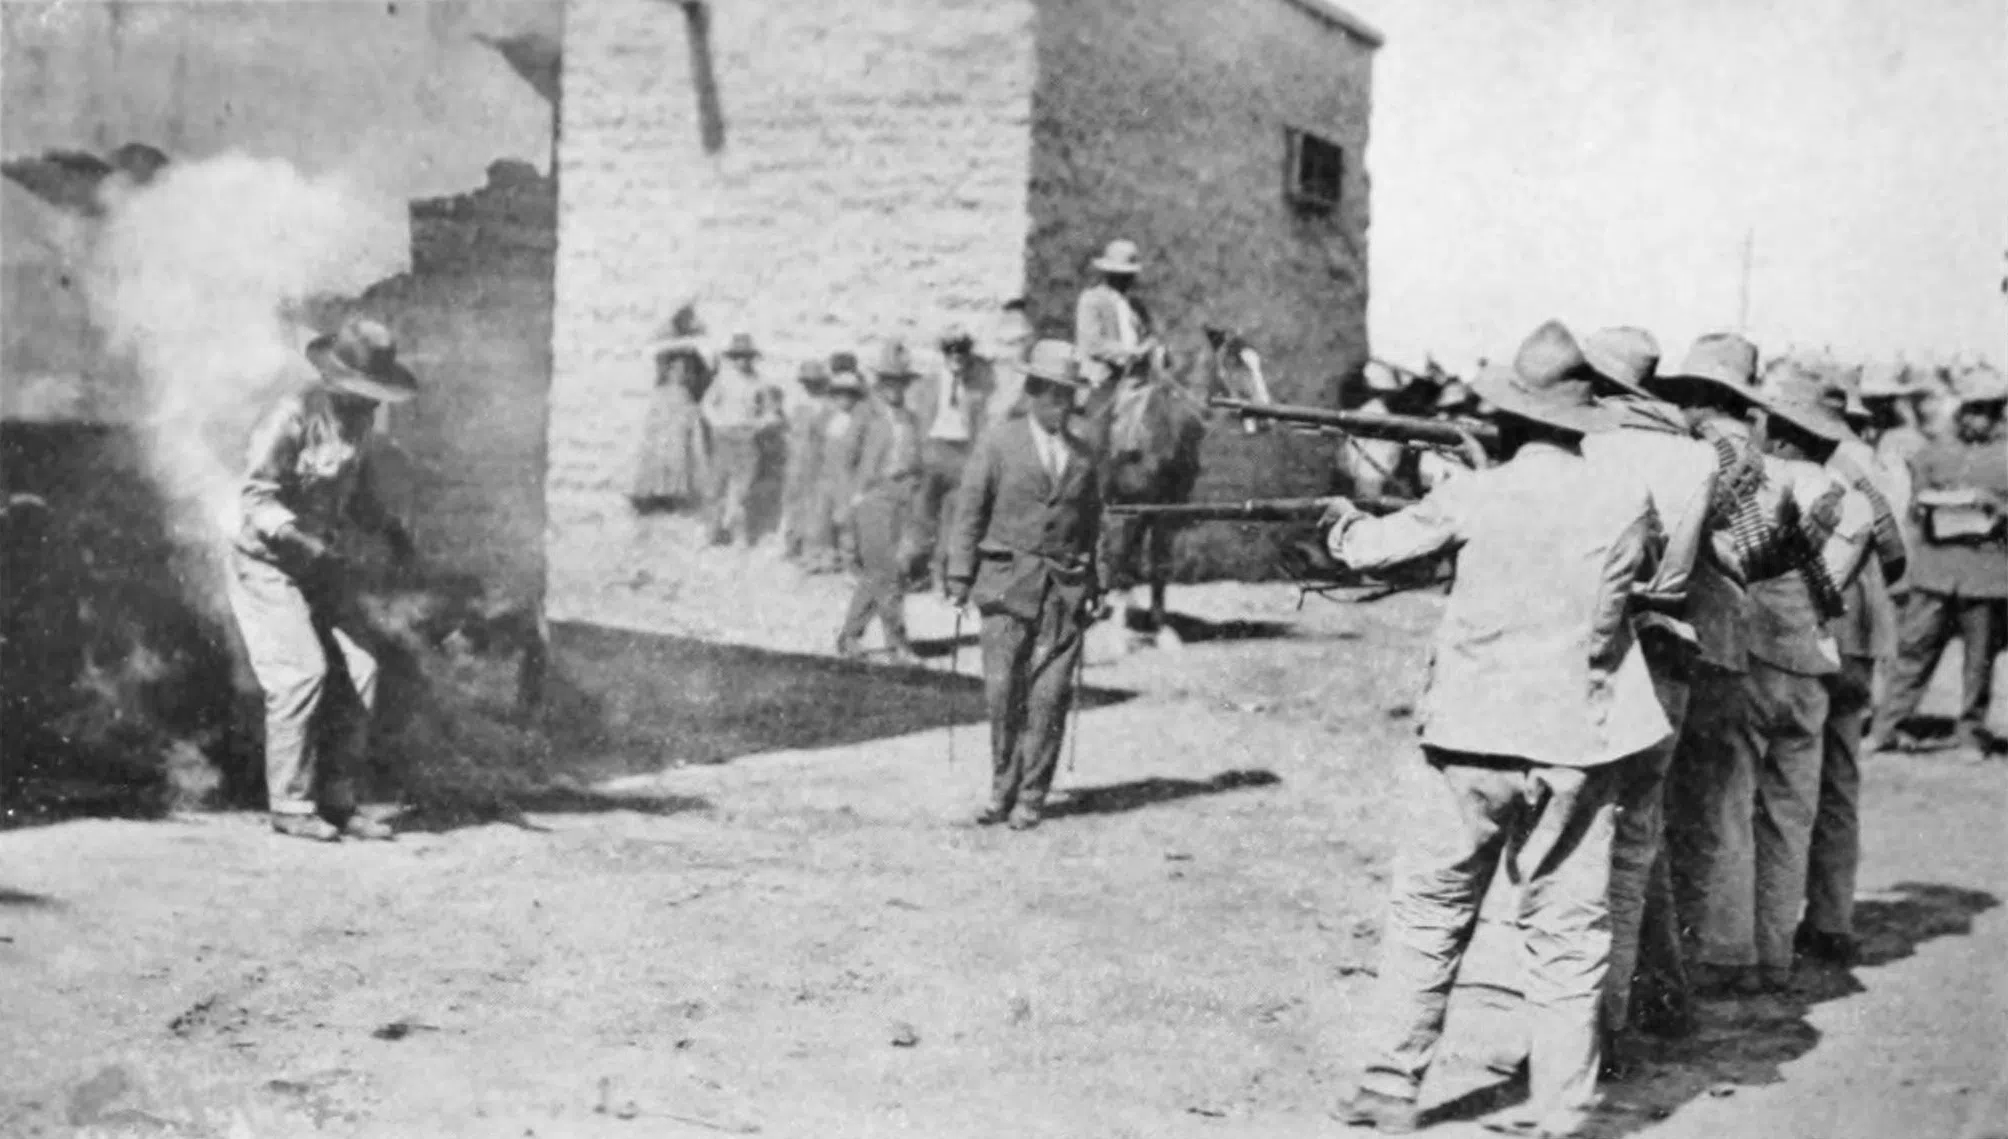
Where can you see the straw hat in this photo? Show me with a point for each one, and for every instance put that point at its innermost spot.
(741, 346)
(360, 358)
(1625, 356)
(844, 380)
(1053, 362)
(1980, 385)
(1718, 362)
(814, 373)
(1889, 381)
(1549, 383)
(1792, 392)
(683, 325)
(1121, 256)
(892, 362)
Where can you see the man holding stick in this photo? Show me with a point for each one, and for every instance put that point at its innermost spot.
(1021, 549)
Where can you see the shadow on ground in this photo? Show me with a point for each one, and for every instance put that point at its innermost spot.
(1116, 798)
(1743, 1042)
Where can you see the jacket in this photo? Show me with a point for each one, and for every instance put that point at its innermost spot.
(883, 453)
(1098, 332)
(1967, 568)
(978, 386)
(306, 472)
(1535, 656)
(1017, 531)
(1788, 612)
(1868, 627)
(1653, 442)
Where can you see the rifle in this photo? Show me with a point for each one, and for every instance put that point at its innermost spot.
(1253, 510)
(1410, 429)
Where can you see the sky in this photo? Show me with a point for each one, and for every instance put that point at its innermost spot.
(1604, 161)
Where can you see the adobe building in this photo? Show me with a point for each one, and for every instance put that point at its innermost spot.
(824, 174)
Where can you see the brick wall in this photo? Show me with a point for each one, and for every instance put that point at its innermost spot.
(872, 182)
(1163, 121)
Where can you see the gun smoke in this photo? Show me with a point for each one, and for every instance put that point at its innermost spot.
(198, 281)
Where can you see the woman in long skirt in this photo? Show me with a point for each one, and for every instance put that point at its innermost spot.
(674, 464)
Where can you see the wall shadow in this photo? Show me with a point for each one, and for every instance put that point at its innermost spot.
(1117, 798)
(1744, 1042)
(26, 900)
(663, 700)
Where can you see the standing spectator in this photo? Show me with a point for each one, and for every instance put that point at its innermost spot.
(801, 531)
(884, 472)
(953, 408)
(1537, 691)
(839, 438)
(673, 470)
(739, 408)
(1959, 569)
(1022, 551)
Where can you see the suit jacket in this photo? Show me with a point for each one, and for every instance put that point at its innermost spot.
(1017, 531)
(883, 456)
(1098, 331)
(978, 386)
(1535, 657)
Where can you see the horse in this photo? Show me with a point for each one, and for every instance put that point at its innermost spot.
(1153, 426)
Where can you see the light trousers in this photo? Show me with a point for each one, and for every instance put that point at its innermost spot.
(1552, 828)
(299, 640)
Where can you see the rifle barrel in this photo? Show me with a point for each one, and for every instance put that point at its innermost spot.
(1366, 424)
(1253, 510)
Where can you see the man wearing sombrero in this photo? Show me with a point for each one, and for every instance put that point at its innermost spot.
(1537, 691)
(882, 468)
(1112, 331)
(1959, 579)
(307, 487)
(742, 411)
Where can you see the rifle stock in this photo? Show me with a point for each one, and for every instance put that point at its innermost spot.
(1366, 424)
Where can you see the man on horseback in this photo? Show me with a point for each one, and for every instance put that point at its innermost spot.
(1112, 332)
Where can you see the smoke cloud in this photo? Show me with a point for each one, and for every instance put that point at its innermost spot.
(198, 279)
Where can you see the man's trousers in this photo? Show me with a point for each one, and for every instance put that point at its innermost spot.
(942, 462)
(735, 465)
(1836, 852)
(1028, 682)
(294, 639)
(1929, 622)
(1636, 848)
(1552, 827)
(1758, 773)
(880, 522)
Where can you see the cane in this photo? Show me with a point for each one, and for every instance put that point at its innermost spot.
(1074, 704)
(954, 656)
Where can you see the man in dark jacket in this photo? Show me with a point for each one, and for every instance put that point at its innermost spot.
(1021, 548)
(882, 473)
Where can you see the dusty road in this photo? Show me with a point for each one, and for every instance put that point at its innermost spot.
(807, 941)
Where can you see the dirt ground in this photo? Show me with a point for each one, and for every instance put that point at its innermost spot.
(775, 921)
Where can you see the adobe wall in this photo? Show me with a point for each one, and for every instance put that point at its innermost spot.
(1163, 121)
(872, 182)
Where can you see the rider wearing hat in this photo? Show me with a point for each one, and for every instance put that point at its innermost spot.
(1112, 332)
(307, 487)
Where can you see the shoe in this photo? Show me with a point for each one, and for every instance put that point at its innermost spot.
(903, 657)
(1024, 818)
(312, 827)
(368, 829)
(847, 649)
(1895, 740)
(992, 815)
(1827, 948)
(1384, 1113)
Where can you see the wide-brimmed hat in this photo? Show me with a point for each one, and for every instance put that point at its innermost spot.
(1979, 386)
(1054, 362)
(1121, 256)
(1886, 380)
(683, 325)
(846, 380)
(813, 373)
(892, 362)
(1625, 356)
(841, 362)
(360, 358)
(1549, 383)
(1843, 393)
(1796, 394)
(1718, 362)
(741, 346)
(957, 337)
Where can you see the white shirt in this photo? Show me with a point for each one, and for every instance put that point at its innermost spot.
(1125, 323)
(1052, 449)
(951, 420)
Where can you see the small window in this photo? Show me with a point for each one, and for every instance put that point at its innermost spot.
(1317, 170)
